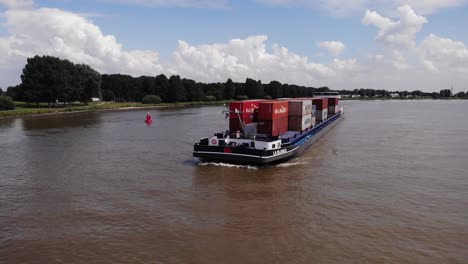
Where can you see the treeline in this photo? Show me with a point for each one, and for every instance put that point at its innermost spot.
(51, 80)
(176, 89)
(371, 93)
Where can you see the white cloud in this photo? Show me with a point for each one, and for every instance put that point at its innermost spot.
(430, 6)
(70, 36)
(397, 37)
(399, 60)
(396, 34)
(17, 4)
(242, 58)
(435, 54)
(407, 65)
(334, 47)
(345, 65)
(443, 54)
(66, 35)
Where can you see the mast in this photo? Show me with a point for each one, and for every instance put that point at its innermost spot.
(240, 120)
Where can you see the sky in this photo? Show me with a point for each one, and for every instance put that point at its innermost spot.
(343, 44)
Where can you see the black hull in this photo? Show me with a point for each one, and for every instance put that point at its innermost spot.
(254, 156)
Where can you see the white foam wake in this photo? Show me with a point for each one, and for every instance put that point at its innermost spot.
(220, 164)
(290, 164)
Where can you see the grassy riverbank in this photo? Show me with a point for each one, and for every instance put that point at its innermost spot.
(23, 109)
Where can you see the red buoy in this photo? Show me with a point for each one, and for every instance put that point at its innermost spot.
(148, 120)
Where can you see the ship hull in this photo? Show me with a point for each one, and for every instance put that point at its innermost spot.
(255, 156)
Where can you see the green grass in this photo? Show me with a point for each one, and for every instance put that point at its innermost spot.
(24, 109)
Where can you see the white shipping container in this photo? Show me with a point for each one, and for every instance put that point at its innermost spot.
(321, 115)
(300, 123)
(300, 107)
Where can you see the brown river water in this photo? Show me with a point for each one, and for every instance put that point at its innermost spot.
(388, 184)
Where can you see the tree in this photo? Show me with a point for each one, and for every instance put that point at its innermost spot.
(253, 89)
(323, 89)
(214, 89)
(240, 88)
(89, 83)
(176, 91)
(209, 98)
(34, 80)
(49, 79)
(15, 92)
(276, 91)
(286, 90)
(416, 93)
(460, 94)
(147, 85)
(229, 90)
(445, 93)
(162, 84)
(6, 103)
(293, 90)
(197, 92)
(108, 95)
(309, 92)
(189, 87)
(151, 99)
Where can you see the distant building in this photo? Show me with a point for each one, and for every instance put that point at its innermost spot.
(394, 95)
(95, 99)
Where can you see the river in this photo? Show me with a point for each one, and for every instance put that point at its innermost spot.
(388, 184)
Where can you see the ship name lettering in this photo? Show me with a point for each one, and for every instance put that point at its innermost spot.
(279, 152)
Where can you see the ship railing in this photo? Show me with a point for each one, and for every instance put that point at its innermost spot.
(302, 138)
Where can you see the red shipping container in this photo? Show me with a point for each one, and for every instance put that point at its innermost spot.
(272, 110)
(235, 125)
(255, 115)
(273, 127)
(246, 108)
(332, 101)
(321, 103)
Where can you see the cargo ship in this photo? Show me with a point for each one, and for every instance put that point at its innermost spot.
(274, 131)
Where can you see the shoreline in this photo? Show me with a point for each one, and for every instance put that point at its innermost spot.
(82, 109)
(109, 107)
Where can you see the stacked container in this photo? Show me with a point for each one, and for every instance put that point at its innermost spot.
(332, 105)
(273, 117)
(300, 115)
(322, 108)
(246, 111)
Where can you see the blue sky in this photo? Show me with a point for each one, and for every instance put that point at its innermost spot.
(146, 35)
